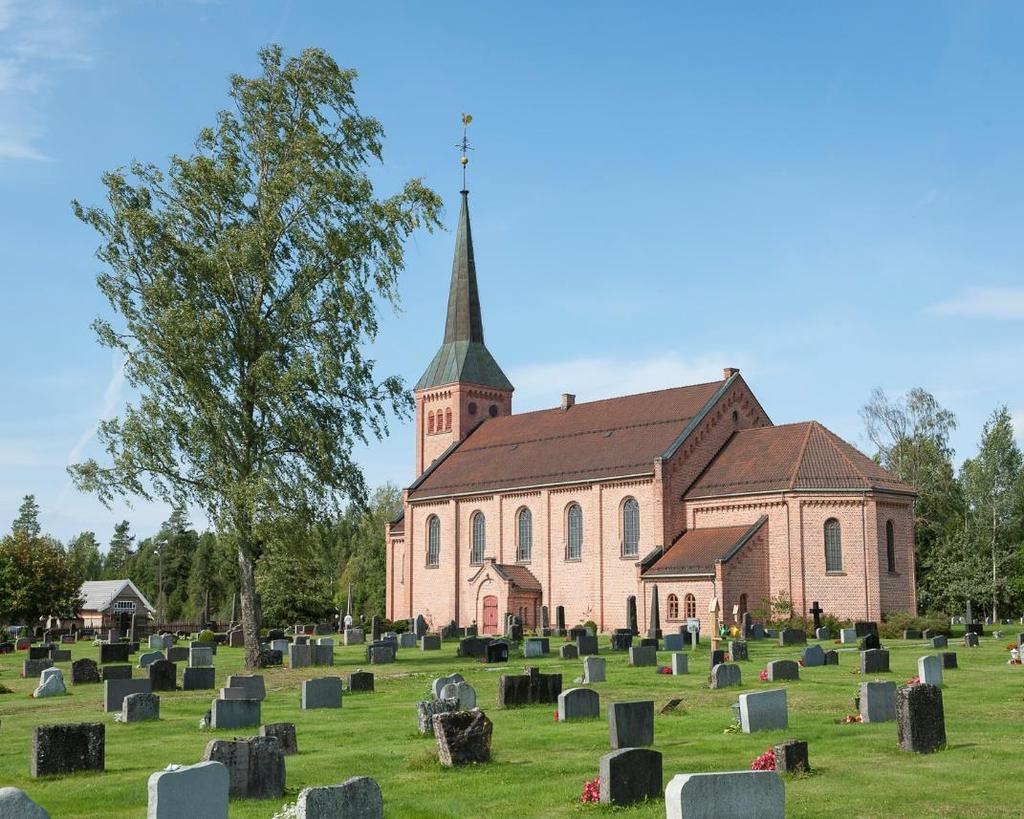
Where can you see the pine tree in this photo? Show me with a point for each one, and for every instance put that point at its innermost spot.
(27, 522)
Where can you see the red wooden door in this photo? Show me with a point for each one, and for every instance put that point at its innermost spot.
(490, 614)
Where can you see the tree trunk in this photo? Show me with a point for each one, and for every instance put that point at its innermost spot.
(250, 608)
(995, 587)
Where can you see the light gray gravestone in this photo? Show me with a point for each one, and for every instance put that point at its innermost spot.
(200, 656)
(51, 684)
(631, 724)
(848, 635)
(929, 670)
(750, 794)
(763, 711)
(680, 663)
(783, 670)
(725, 674)
(593, 670)
(253, 683)
(285, 733)
(150, 657)
(139, 708)
(441, 682)
(462, 692)
(578, 703)
(255, 765)
(822, 633)
(354, 636)
(16, 804)
(321, 693)
(156, 642)
(877, 701)
(358, 797)
(536, 647)
(280, 645)
(114, 692)
(177, 791)
(630, 775)
(407, 640)
(235, 714)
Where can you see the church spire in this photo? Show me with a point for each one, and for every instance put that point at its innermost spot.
(464, 322)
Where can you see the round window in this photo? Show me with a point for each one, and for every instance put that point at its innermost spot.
(493, 411)
(471, 408)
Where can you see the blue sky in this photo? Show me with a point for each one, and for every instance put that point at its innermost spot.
(825, 195)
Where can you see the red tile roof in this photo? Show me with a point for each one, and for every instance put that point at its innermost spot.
(802, 456)
(518, 576)
(593, 440)
(697, 550)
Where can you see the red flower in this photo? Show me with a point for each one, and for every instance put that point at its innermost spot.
(802, 663)
(664, 670)
(765, 762)
(914, 681)
(764, 678)
(556, 716)
(591, 790)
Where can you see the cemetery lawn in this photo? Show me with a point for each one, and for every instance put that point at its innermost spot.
(539, 766)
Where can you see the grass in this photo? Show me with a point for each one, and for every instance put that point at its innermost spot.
(539, 765)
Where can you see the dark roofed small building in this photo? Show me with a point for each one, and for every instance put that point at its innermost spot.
(580, 505)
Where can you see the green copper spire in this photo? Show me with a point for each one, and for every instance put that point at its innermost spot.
(463, 356)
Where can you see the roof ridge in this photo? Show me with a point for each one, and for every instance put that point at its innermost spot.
(798, 462)
(572, 434)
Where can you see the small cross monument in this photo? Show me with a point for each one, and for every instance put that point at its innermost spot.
(816, 611)
(715, 610)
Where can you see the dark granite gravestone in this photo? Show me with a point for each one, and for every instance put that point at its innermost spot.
(473, 646)
(746, 625)
(285, 733)
(41, 652)
(515, 629)
(717, 657)
(758, 632)
(874, 661)
(738, 650)
(380, 652)
(813, 656)
(948, 659)
(791, 756)
(655, 630)
(783, 670)
(200, 678)
(939, 641)
(975, 628)
(360, 681)
(586, 645)
(792, 637)
(869, 642)
(276, 634)
(569, 652)
(64, 749)
(816, 611)
(576, 632)
(622, 639)
(255, 766)
(530, 688)
(419, 626)
(462, 737)
(724, 675)
(865, 627)
(970, 640)
(85, 671)
(920, 721)
(650, 642)
(33, 668)
(560, 620)
(912, 634)
(496, 652)
(630, 775)
(115, 672)
(544, 624)
(631, 618)
(375, 628)
(631, 724)
(114, 653)
(163, 675)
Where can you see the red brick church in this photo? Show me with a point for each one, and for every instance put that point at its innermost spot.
(691, 488)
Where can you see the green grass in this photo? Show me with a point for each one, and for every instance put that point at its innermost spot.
(538, 765)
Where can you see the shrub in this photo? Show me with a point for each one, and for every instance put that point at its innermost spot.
(206, 636)
(893, 625)
(592, 626)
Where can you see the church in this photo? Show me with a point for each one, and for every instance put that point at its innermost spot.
(691, 489)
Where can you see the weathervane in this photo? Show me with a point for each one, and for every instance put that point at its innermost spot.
(464, 146)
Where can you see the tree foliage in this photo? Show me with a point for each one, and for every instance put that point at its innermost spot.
(246, 280)
(36, 579)
(85, 557)
(27, 522)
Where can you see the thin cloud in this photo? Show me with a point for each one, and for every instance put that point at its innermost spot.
(983, 302)
(111, 402)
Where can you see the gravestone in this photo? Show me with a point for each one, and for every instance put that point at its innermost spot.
(568, 652)
(140, 708)
(355, 636)
(381, 652)
(430, 642)
(113, 653)
(764, 711)
(255, 766)
(593, 670)
(920, 721)
(60, 655)
(750, 794)
(462, 693)
(877, 701)
(560, 620)
(177, 654)
(51, 684)
(792, 637)
(816, 611)
(940, 641)
(874, 661)
(473, 646)
(865, 627)
(675, 642)
(630, 775)
(321, 693)
(680, 663)
(156, 642)
(115, 672)
(150, 657)
(65, 749)
(912, 634)
(236, 639)
(85, 671)
(198, 679)
(200, 656)
(870, 642)
(235, 713)
(536, 647)
(285, 733)
(407, 640)
(420, 626)
(929, 670)
(747, 625)
(758, 632)
(497, 652)
(649, 642)
(738, 650)
(847, 635)
(360, 681)
(970, 640)
(948, 659)
(324, 654)
(640, 656)
(813, 656)
(33, 668)
(783, 670)
(724, 675)
(655, 629)
(631, 618)
(252, 683)
(16, 804)
(114, 692)
(175, 792)
(163, 675)
(822, 633)
(717, 656)
(438, 684)
(375, 628)
(928, 633)
(462, 737)
(38, 652)
(358, 797)
(631, 724)
(586, 644)
(578, 703)
(426, 709)
(791, 757)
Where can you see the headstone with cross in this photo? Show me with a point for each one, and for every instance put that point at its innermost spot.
(816, 611)
(714, 609)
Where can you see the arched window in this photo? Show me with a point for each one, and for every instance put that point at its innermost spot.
(890, 545)
(479, 537)
(433, 541)
(690, 605)
(447, 419)
(833, 546)
(630, 528)
(573, 532)
(430, 422)
(673, 607)
(524, 535)
(743, 604)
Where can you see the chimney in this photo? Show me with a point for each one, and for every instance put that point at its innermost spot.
(568, 401)
(729, 372)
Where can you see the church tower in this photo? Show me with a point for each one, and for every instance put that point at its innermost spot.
(463, 384)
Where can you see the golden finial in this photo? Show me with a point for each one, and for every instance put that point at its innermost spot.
(464, 146)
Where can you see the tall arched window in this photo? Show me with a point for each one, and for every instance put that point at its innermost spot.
(433, 541)
(573, 532)
(524, 535)
(890, 545)
(630, 528)
(690, 605)
(447, 419)
(673, 607)
(478, 527)
(833, 546)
